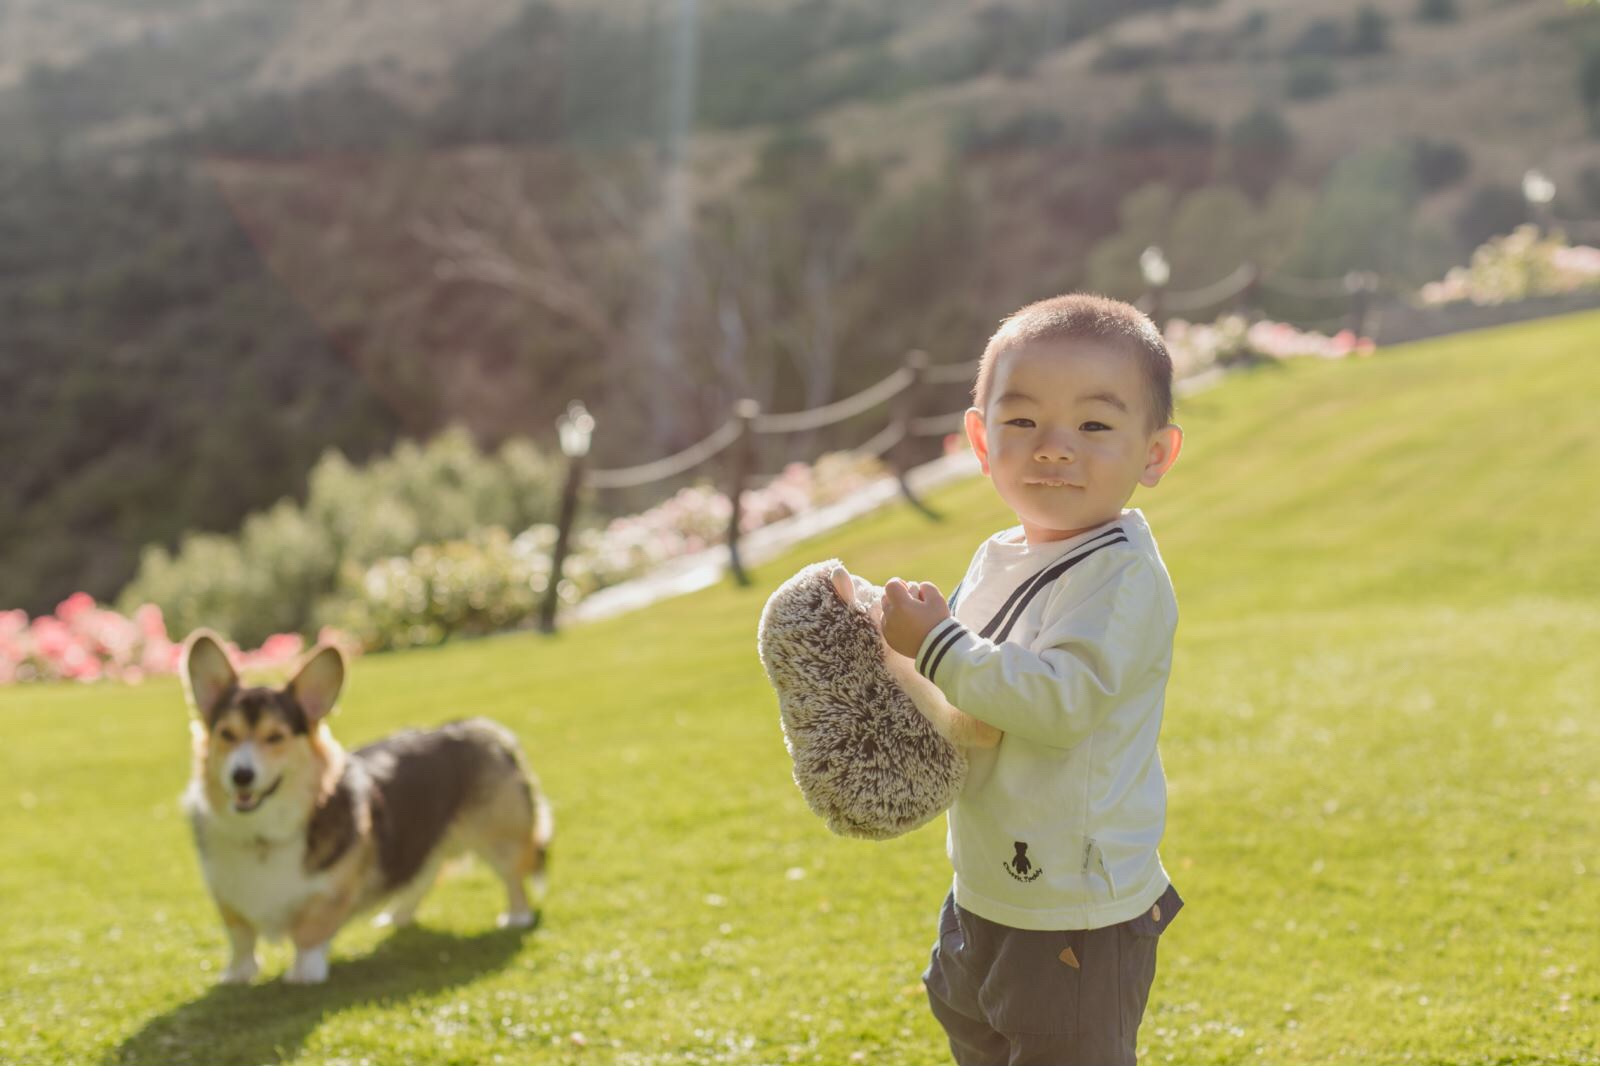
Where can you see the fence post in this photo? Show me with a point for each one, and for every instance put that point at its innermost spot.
(740, 463)
(1360, 285)
(574, 429)
(906, 406)
(1248, 302)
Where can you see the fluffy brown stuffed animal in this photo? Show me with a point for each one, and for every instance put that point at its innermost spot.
(877, 749)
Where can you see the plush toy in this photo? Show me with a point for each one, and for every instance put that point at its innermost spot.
(877, 749)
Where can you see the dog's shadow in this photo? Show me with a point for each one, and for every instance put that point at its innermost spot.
(270, 1021)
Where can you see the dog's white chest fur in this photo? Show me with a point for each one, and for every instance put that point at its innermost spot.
(256, 869)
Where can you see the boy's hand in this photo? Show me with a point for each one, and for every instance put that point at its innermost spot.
(909, 612)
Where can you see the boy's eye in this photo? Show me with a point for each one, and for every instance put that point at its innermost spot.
(1094, 427)
(228, 736)
(1020, 423)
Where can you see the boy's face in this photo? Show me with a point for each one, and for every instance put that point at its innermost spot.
(1067, 435)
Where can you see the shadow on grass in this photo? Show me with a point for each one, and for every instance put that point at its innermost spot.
(269, 1022)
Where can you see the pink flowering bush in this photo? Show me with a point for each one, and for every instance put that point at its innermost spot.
(696, 518)
(1197, 347)
(1516, 266)
(84, 641)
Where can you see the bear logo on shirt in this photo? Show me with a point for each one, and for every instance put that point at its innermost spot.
(1021, 868)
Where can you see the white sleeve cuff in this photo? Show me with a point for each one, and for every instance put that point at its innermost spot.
(937, 644)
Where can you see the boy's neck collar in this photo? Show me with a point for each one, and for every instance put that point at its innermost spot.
(1016, 536)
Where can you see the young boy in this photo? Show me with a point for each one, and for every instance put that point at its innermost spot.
(1060, 635)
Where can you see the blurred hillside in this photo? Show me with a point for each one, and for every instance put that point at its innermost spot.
(234, 233)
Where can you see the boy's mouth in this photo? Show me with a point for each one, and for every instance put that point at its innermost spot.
(1051, 483)
(246, 800)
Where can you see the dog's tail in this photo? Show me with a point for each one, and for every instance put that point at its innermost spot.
(536, 853)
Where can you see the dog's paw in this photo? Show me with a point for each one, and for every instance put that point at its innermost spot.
(519, 920)
(310, 967)
(240, 972)
(393, 920)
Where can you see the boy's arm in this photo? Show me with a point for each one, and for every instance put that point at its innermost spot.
(958, 728)
(1101, 634)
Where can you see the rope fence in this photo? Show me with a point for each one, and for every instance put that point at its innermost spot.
(905, 393)
(670, 467)
(834, 413)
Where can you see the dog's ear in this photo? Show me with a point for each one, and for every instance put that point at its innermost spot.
(207, 674)
(316, 687)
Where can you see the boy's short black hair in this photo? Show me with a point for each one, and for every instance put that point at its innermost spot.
(1082, 317)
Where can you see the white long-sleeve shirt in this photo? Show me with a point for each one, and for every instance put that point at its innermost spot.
(1066, 647)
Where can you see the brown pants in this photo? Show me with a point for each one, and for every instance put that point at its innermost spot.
(1014, 997)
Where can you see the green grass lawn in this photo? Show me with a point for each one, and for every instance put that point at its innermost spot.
(1381, 741)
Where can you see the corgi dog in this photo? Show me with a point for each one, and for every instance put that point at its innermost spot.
(297, 835)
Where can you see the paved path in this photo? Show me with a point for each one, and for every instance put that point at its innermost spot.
(702, 569)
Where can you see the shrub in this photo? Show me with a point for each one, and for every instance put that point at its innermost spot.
(1438, 164)
(479, 584)
(1310, 77)
(1437, 11)
(1233, 339)
(1032, 128)
(1153, 123)
(1515, 267)
(1322, 37)
(1119, 58)
(270, 577)
(1371, 32)
(83, 641)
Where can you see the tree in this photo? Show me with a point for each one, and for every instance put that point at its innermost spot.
(1438, 164)
(1363, 219)
(1371, 32)
(1589, 84)
(1206, 235)
(1260, 146)
(1143, 218)
(785, 249)
(1310, 77)
(1157, 141)
(1589, 186)
(1437, 11)
(1489, 212)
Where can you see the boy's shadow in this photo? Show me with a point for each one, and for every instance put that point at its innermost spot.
(270, 1021)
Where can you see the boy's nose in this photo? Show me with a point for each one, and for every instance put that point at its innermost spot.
(1054, 452)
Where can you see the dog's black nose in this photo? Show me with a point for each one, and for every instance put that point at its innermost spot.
(243, 775)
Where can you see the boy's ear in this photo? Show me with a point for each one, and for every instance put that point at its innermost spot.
(1164, 448)
(977, 437)
(207, 675)
(316, 687)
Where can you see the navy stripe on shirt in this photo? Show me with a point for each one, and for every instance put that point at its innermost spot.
(947, 638)
(1048, 577)
(948, 635)
(942, 648)
(1028, 588)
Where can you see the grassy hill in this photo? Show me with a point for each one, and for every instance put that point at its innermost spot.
(1380, 743)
